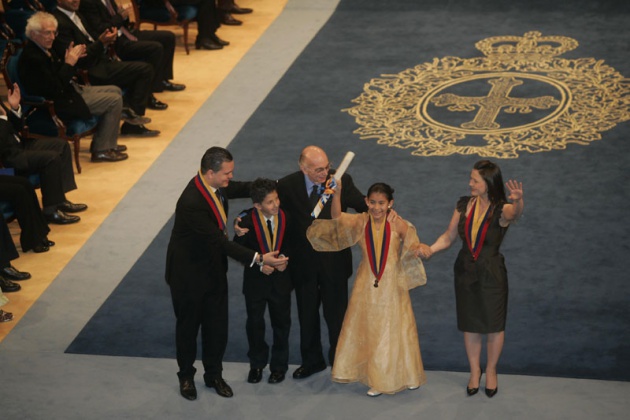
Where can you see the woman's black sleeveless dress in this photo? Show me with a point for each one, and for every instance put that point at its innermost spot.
(481, 287)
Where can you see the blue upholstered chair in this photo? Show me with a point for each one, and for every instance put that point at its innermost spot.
(166, 15)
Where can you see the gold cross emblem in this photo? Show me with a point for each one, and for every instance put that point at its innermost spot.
(489, 106)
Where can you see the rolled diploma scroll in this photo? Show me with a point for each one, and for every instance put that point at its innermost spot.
(338, 174)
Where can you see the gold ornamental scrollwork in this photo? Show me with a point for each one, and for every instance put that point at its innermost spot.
(520, 97)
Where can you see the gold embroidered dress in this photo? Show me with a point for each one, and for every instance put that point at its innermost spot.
(378, 345)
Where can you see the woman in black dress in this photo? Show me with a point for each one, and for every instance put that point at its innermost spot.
(481, 290)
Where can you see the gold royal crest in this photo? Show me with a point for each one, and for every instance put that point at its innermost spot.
(519, 98)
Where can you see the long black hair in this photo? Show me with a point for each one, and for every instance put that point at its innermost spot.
(491, 174)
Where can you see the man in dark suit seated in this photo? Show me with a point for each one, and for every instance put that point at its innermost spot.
(44, 73)
(266, 224)
(229, 7)
(196, 269)
(50, 158)
(207, 22)
(8, 252)
(20, 194)
(154, 47)
(319, 278)
(135, 77)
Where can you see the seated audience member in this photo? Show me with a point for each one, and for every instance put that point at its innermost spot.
(154, 47)
(8, 253)
(4, 316)
(227, 8)
(134, 77)
(208, 22)
(50, 158)
(44, 73)
(19, 192)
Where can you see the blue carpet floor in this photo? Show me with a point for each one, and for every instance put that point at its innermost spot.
(568, 309)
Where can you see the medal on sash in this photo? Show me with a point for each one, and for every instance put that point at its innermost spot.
(377, 249)
(480, 235)
(213, 201)
(262, 233)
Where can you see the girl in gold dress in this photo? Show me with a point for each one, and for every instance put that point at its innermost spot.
(378, 345)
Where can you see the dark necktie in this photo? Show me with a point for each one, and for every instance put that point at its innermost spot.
(123, 29)
(220, 197)
(314, 197)
(270, 231)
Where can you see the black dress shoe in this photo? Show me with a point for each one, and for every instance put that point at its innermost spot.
(240, 10)
(68, 207)
(207, 44)
(154, 103)
(8, 286)
(492, 392)
(137, 131)
(473, 391)
(120, 148)
(47, 242)
(276, 377)
(304, 371)
(12, 273)
(108, 156)
(222, 388)
(218, 40)
(129, 116)
(187, 389)
(40, 248)
(255, 376)
(173, 87)
(228, 19)
(60, 218)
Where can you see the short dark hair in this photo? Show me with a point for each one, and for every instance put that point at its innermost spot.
(260, 188)
(491, 174)
(381, 187)
(214, 158)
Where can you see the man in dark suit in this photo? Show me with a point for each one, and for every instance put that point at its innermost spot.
(266, 224)
(43, 72)
(134, 77)
(50, 158)
(207, 22)
(196, 269)
(19, 192)
(229, 7)
(154, 47)
(319, 278)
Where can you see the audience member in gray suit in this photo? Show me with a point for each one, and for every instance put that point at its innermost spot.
(43, 72)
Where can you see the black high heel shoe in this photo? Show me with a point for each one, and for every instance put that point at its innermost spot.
(473, 391)
(491, 392)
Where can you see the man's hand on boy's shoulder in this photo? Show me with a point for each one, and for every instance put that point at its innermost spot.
(238, 229)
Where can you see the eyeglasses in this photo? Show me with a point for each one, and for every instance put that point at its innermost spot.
(321, 170)
(48, 33)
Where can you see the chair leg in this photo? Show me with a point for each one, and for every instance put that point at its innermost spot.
(186, 39)
(76, 143)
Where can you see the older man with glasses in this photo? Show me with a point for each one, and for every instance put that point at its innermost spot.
(42, 72)
(319, 278)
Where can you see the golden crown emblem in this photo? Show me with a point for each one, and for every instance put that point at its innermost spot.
(530, 47)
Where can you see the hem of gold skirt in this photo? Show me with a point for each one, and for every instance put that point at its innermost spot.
(421, 381)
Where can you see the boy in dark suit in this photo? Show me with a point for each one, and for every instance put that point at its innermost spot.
(266, 285)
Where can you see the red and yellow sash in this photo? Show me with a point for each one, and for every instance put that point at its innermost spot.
(479, 235)
(262, 232)
(378, 248)
(213, 201)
